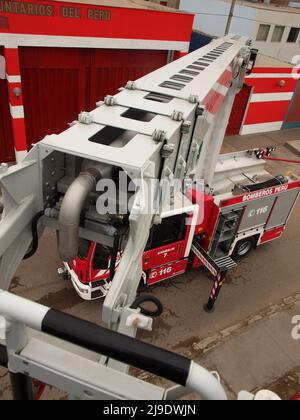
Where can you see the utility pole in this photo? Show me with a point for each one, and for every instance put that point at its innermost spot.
(230, 17)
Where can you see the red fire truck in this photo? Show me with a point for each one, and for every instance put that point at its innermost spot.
(245, 210)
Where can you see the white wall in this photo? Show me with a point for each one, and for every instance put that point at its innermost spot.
(212, 15)
(283, 51)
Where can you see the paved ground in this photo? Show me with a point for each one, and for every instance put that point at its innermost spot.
(294, 146)
(288, 385)
(236, 337)
(258, 351)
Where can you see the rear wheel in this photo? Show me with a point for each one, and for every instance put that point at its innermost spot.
(243, 247)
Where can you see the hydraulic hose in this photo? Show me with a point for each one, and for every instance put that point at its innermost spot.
(35, 236)
(70, 212)
(267, 184)
(3, 356)
(148, 298)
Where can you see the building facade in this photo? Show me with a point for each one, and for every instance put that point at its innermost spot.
(61, 57)
(275, 30)
(170, 3)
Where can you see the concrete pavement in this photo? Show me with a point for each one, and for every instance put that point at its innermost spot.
(294, 146)
(253, 357)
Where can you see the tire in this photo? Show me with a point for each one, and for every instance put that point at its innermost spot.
(243, 247)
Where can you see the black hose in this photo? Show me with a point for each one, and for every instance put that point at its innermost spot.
(114, 255)
(35, 236)
(3, 356)
(148, 298)
(266, 184)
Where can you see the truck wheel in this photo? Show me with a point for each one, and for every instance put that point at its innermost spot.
(243, 247)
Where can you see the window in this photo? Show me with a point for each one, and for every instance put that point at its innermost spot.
(278, 33)
(293, 36)
(263, 32)
(172, 229)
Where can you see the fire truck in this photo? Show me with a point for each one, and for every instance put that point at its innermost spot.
(247, 207)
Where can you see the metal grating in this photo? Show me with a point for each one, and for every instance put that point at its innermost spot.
(193, 70)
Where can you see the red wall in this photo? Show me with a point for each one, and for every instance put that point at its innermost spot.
(123, 23)
(262, 112)
(266, 112)
(265, 106)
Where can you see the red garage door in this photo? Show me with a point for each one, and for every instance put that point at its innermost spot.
(58, 83)
(113, 69)
(238, 111)
(7, 152)
(54, 82)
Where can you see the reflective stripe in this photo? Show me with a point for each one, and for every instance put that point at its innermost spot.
(16, 40)
(274, 76)
(260, 128)
(13, 79)
(271, 97)
(20, 155)
(17, 111)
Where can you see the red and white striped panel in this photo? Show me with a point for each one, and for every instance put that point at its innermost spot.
(15, 101)
(214, 100)
(273, 90)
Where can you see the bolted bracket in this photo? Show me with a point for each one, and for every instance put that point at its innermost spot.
(200, 111)
(194, 99)
(85, 118)
(109, 100)
(185, 127)
(139, 321)
(177, 116)
(130, 85)
(159, 136)
(167, 150)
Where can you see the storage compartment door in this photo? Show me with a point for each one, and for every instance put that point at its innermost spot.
(256, 213)
(282, 209)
